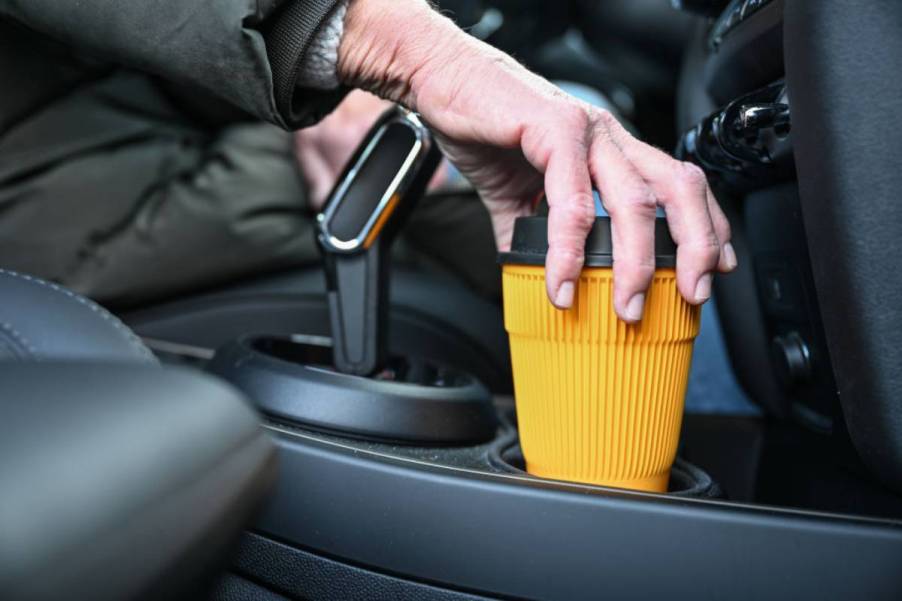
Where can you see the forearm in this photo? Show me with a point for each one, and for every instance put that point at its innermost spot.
(406, 52)
(389, 46)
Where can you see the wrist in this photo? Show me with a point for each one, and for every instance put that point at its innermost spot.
(390, 46)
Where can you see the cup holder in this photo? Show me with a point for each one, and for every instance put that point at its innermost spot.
(686, 480)
(411, 401)
(316, 353)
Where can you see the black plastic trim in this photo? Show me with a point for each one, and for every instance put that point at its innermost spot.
(507, 535)
(291, 380)
(842, 76)
(302, 574)
(749, 57)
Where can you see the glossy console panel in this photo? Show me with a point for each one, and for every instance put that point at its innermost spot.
(451, 518)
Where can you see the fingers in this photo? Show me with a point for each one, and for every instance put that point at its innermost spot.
(571, 215)
(728, 261)
(696, 222)
(632, 206)
(698, 248)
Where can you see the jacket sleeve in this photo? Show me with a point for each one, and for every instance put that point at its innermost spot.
(249, 52)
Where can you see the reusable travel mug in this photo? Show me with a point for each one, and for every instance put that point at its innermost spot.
(598, 400)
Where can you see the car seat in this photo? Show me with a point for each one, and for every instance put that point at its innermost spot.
(121, 479)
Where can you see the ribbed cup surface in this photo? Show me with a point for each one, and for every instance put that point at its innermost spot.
(598, 400)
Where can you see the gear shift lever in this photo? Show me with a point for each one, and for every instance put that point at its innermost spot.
(369, 204)
(416, 401)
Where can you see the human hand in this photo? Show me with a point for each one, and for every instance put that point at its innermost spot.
(514, 136)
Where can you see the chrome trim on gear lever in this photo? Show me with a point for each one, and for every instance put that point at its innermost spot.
(397, 187)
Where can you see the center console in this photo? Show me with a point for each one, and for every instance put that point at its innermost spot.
(401, 478)
(467, 519)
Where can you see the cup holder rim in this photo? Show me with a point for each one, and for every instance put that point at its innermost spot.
(686, 479)
(348, 405)
(462, 379)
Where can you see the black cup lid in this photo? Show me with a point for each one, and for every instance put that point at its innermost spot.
(530, 243)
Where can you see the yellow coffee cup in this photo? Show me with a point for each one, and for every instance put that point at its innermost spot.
(598, 400)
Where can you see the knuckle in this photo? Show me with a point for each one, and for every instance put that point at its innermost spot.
(707, 250)
(711, 255)
(578, 115)
(643, 202)
(580, 215)
(602, 129)
(568, 254)
(690, 175)
(726, 230)
(604, 118)
(645, 270)
(721, 224)
(574, 117)
(639, 270)
(645, 275)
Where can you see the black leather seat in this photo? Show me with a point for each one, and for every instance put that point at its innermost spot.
(40, 320)
(119, 479)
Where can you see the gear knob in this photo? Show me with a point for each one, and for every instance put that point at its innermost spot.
(364, 212)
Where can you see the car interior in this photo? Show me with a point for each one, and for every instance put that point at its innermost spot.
(231, 444)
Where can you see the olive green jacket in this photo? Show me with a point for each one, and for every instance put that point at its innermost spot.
(142, 143)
